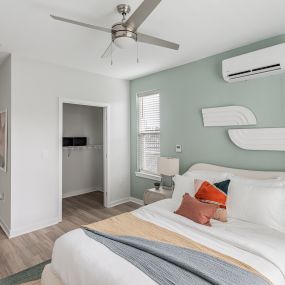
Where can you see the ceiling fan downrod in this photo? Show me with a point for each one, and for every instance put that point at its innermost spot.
(124, 10)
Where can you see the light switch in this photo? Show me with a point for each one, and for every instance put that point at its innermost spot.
(1, 196)
(178, 148)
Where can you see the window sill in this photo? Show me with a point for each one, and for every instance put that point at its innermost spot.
(148, 176)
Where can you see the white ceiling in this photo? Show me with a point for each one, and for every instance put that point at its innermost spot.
(201, 27)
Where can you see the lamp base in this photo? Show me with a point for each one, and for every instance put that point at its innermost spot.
(167, 182)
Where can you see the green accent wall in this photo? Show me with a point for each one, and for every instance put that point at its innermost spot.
(185, 90)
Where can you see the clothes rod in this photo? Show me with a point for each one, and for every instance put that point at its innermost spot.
(99, 147)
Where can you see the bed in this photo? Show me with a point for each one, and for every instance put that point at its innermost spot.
(78, 259)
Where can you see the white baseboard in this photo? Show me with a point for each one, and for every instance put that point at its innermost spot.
(125, 200)
(27, 229)
(99, 188)
(31, 228)
(137, 201)
(82, 191)
(118, 202)
(5, 228)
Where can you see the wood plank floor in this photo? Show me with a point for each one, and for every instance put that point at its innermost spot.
(30, 249)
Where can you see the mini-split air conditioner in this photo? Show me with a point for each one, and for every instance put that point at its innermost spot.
(260, 63)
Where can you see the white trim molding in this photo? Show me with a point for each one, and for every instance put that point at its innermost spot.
(106, 145)
(126, 200)
(259, 139)
(5, 228)
(137, 201)
(228, 116)
(148, 176)
(4, 169)
(31, 228)
(118, 202)
(82, 191)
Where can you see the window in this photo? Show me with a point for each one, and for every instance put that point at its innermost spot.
(148, 136)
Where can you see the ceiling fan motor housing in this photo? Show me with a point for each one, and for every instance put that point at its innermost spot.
(120, 30)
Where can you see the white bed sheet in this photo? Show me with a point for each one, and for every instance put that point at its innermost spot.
(79, 260)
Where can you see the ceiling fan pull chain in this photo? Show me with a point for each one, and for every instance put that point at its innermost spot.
(112, 53)
(138, 61)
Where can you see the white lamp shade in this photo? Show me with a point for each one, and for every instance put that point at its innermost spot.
(168, 166)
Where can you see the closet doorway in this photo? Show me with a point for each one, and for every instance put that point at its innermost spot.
(83, 133)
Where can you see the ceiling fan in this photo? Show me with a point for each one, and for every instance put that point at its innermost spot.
(125, 33)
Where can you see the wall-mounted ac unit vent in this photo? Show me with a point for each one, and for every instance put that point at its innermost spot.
(263, 62)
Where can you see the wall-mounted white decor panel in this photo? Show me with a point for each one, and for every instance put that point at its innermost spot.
(259, 139)
(228, 116)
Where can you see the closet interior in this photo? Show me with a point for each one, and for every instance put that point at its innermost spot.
(82, 156)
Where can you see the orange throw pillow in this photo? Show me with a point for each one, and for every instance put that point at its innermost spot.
(196, 211)
(213, 194)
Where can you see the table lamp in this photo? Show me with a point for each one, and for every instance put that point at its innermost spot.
(167, 168)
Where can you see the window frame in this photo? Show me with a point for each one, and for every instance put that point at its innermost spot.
(140, 173)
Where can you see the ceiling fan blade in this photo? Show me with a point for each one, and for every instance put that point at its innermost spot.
(81, 24)
(156, 41)
(108, 51)
(142, 12)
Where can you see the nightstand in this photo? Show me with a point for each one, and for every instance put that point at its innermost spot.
(153, 195)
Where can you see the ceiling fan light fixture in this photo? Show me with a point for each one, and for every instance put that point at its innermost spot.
(124, 42)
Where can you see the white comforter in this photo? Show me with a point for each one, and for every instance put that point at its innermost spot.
(79, 260)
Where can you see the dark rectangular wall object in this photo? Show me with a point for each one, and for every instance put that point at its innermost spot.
(80, 141)
(66, 141)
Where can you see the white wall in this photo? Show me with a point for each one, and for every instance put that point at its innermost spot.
(36, 87)
(5, 178)
(82, 169)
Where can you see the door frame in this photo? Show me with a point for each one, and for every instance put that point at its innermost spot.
(106, 145)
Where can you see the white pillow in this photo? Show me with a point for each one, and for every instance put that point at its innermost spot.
(278, 181)
(257, 203)
(210, 176)
(183, 184)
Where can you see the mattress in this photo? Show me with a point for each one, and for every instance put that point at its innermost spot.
(77, 259)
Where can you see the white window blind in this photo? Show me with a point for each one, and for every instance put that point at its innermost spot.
(148, 119)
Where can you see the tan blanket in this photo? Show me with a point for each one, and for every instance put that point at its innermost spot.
(129, 225)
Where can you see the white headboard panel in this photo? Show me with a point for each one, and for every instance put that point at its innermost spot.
(240, 172)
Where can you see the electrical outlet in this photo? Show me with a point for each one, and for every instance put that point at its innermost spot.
(178, 148)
